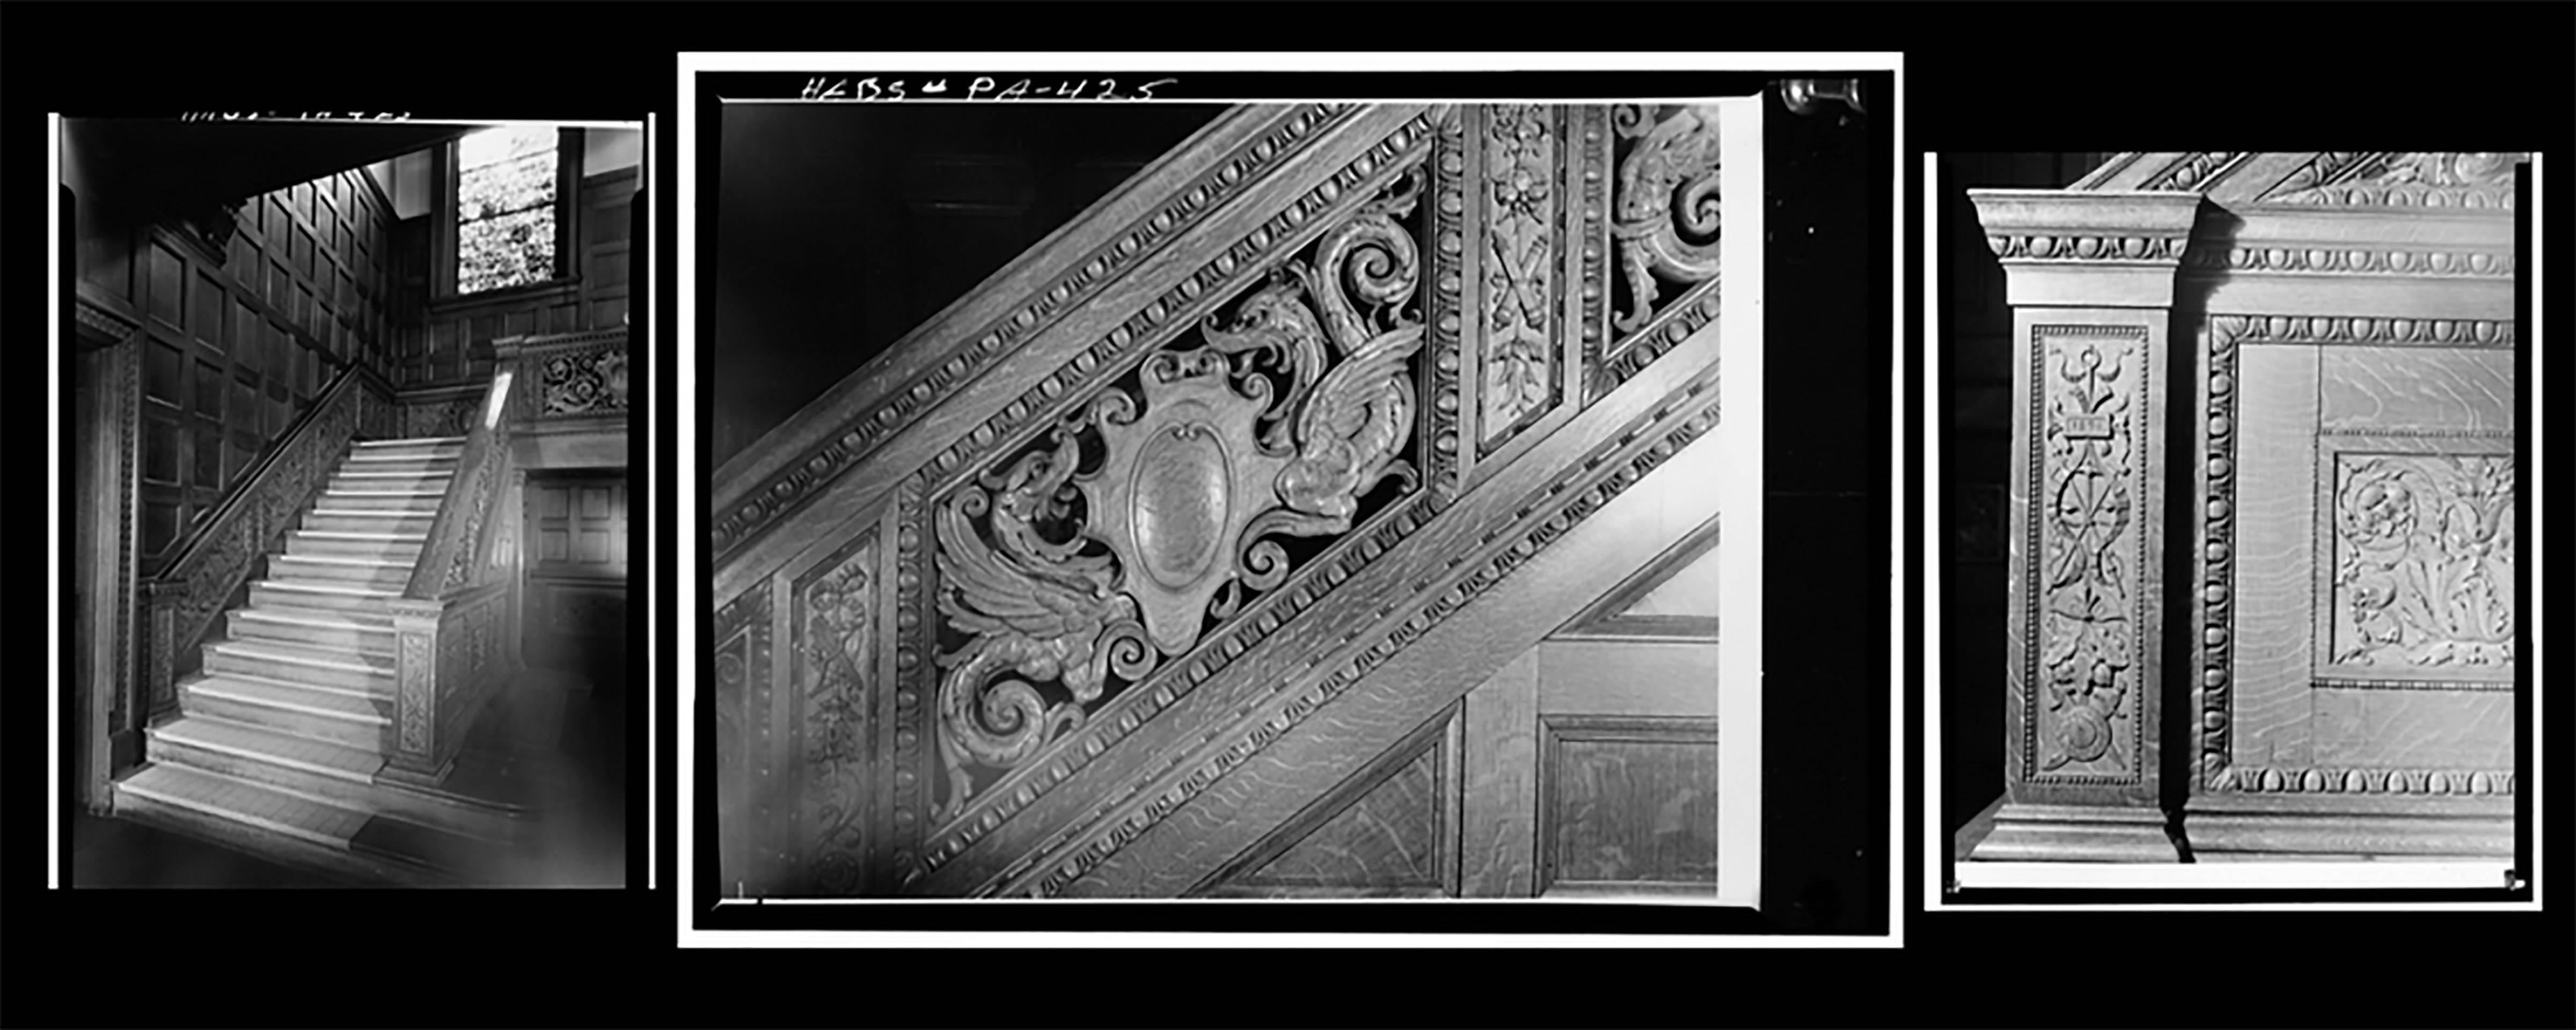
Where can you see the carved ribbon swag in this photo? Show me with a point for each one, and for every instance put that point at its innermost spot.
(1275, 426)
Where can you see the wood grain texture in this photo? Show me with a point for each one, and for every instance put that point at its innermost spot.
(1605, 678)
(1390, 837)
(2414, 729)
(1498, 837)
(1628, 800)
(2378, 389)
(2275, 520)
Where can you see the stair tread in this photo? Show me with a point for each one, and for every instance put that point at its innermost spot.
(336, 559)
(275, 746)
(411, 441)
(310, 654)
(384, 693)
(278, 694)
(247, 802)
(323, 586)
(333, 618)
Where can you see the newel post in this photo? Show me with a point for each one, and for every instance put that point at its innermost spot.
(414, 756)
(161, 648)
(2091, 278)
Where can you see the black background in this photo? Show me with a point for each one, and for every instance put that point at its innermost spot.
(1976, 78)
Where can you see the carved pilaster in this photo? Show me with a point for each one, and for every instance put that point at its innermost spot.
(414, 756)
(2091, 279)
(160, 693)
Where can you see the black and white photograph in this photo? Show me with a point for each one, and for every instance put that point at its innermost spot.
(1192, 486)
(2230, 589)
(346, 493)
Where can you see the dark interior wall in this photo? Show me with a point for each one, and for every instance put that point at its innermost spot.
(449, 341)
(841, 227)
(246, 315)
(1976, 443)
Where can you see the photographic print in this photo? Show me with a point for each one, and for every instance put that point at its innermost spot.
(348, 408)
(2253, 417)
(1164, 487)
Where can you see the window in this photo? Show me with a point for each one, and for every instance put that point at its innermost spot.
(506, 189)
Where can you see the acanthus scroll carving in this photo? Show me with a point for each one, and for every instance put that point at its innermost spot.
(1666, 203)
(1146, 514)
(2088, 655)
(2424, 552)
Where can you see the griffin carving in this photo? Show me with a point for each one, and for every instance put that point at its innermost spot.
(1035, 608)
(1349, 425)
(1077, 574)
(1667, 202)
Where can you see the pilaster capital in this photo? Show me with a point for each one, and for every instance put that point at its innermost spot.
(2087, 249)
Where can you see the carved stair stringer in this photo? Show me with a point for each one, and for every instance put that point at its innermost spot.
(1519, 554)
(1136, 269)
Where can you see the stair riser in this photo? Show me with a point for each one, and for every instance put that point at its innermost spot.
(319, 601)
(408, 450)
(426, 504)
(353, 866)
(220, 662)
(374, 577)
(340, 638)
(365, 735)
(410, 806)
(343, 482)
(406, 552)
(401, 463)
(318, 522)
(345, 793)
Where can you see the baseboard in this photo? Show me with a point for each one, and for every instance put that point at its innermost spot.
(2220, 836)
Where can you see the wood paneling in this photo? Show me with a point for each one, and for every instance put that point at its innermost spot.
(236, 330)
(1498, 852)
(1391, 830)
(1627, 800)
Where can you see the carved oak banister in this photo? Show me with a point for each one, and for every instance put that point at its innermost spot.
(962, 603)
(205, 569)
(458, 531)
(1189, 233)
(450, 633)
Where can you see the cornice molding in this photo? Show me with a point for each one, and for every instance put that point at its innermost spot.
(103, 320)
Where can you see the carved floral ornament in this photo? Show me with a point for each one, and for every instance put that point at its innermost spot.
(1135, 521)
(2089, 654)
(1667, 204)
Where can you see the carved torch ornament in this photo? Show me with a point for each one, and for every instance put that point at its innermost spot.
(1274, 426)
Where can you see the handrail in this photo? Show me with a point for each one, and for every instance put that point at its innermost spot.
(463, 513)
(178, 553)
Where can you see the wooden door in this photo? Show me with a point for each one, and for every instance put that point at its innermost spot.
(576, 579)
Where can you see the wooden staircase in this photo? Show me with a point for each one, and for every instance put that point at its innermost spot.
(279, 742)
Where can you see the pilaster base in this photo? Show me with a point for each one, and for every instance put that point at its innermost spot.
(2068, 833)
(417, 777)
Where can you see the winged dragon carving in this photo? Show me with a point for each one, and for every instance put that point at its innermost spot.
(1285, 416)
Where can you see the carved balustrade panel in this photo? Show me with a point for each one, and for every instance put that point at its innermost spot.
(1278, 409)
(2359, 598)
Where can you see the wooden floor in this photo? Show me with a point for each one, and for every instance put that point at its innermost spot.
(546, 741)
